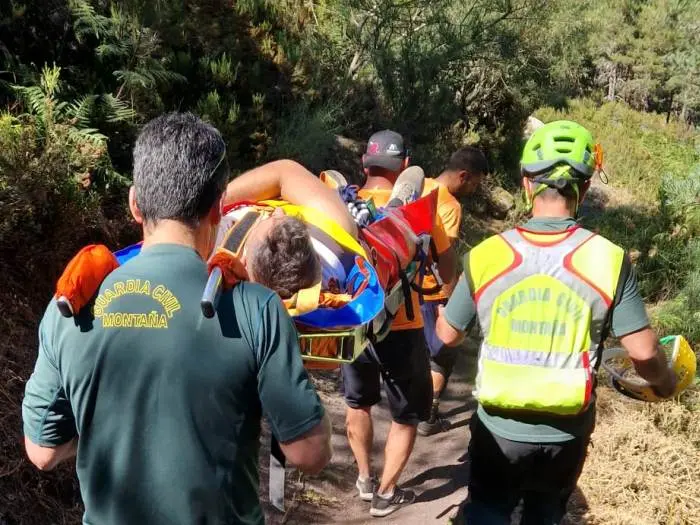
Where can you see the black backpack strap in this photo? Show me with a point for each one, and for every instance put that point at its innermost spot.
(625, 271)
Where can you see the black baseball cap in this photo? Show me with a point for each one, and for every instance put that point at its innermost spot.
(385, 149)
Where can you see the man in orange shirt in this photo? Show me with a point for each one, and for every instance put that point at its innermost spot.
(401, 359)
(461, 177)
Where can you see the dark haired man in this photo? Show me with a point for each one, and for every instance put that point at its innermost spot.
(279, 251)
(461, 177)
(162, 405)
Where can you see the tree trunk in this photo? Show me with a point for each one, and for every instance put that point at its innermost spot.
(355, 64)
(611, 84)
(670, 107)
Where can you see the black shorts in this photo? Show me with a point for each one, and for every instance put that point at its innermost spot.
(402, 361)
(442, 357)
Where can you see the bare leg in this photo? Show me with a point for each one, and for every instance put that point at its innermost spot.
(358, 423)
(438, 383)
(399, 444)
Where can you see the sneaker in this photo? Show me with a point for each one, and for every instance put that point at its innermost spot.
(433, 426)
(333, 179)
(384, 506)
(408, 187)
(367, 487)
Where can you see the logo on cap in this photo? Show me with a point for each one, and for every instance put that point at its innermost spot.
(373, 148)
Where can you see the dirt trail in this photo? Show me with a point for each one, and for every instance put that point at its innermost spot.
(436, 470)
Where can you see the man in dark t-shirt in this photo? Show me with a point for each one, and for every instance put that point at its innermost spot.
(162, 405)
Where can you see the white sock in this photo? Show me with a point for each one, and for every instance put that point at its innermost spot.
(388, 495)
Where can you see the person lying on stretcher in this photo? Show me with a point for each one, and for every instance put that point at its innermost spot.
(279, 251)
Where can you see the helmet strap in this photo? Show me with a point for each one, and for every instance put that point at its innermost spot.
(531, 194)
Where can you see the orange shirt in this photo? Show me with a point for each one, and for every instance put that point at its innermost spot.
(450, 213)
(442, 244)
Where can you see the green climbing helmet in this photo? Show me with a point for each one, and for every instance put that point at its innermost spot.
(559, 153)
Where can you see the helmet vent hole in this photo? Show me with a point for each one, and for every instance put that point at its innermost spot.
(564, 139)
(563, 150)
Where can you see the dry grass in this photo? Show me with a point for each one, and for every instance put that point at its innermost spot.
(643, 465)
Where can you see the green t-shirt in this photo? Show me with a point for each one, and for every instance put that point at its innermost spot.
(628, 315)
(167, 403)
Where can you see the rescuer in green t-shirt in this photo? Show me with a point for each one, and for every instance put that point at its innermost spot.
(161, 405)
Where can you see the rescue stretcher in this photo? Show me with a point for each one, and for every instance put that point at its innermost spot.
(335, 326)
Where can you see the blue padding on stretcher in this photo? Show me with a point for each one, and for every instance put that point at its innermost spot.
(361, 310)
(127, 253)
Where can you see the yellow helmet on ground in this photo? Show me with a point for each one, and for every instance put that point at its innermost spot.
(681, 358)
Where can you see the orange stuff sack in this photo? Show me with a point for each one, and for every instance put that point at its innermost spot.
(84, 274)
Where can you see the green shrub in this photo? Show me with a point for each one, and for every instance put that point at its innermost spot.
(47, 211)
(640, 148)
(680, 202)
(307, 135)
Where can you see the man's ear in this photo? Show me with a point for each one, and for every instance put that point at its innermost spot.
(133, 207)
(463, 176)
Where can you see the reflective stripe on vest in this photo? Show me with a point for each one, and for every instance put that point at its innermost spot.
(542, 309)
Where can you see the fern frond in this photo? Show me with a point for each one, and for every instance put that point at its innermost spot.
(86, 20)
(34, 98)
(116, 49)
(91, 134)
(117, 110)
(132, 79)
(82, 110)
(161, 75)
(59, 110)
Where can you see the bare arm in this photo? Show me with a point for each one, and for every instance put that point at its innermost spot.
(47, 458)
(312, 451)
(449, 286)
(649, 362)
(293, 183)
(447, 266)
(446, 332)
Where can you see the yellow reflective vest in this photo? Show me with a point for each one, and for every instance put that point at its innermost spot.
(542, 307)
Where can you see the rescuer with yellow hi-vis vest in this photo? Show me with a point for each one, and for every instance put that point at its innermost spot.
(546, 295)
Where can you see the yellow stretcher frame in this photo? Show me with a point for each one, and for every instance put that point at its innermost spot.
(349, 346)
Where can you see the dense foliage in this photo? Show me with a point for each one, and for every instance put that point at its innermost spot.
(442, 71)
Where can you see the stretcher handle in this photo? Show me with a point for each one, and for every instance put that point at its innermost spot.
(212, 292)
